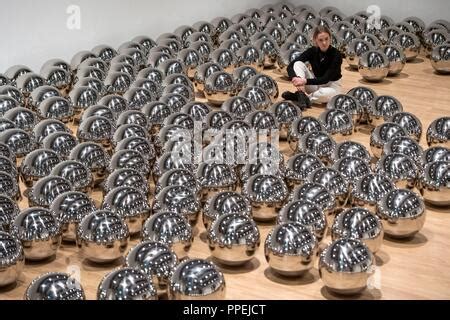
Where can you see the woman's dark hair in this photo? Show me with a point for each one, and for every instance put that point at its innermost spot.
(320, 29)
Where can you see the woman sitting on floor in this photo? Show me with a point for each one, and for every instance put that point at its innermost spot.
(324, 81)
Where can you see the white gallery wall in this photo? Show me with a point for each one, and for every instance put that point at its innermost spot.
(34, 31)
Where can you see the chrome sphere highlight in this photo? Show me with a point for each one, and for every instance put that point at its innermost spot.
(233, 239)
(361, 224)
(102, 236)
(55, 286)
(345, 266)
(196, 279)
(290, 249)
(402, 213)
(126, 284)
(39, 231)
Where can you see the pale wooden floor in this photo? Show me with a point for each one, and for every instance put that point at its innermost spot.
(414, 269)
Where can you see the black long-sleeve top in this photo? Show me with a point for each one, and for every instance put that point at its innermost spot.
(325, 65)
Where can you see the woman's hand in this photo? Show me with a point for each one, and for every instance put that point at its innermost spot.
(298, 82)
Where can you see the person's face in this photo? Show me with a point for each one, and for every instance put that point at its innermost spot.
(323, 41)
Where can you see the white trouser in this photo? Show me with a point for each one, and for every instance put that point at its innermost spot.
(319, 93)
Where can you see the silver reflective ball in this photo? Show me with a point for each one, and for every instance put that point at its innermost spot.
(104, 52)
(364, 95)
(102, 236)
(373, 66)
(215, 120)
(349, 104)
(435, 154)
(319, 144)
(56, 108)
(46, 189)
(402, 213)
(345, 266)
(171, 160)
(11, 258)
(171, 66)
(178, 177)
(383, 108)
(301, 127)
(9, 186)
(93, 156)
(132, 117)
(196, 279)
(126, 284)
(215, 177)
(382, 134)
(269, 48)
(14, 93)
(361, 224)
(203, 72)
(267, 195)
(37, 164)
(125, 177)
(263, 122)
(258, 96)
(355, 49)
(405, 146)
(28, 82)
(299, 166)
(130, 204)
(397, 59)
(70, 208)
(8, 212)
(180, 89)
(116, 103)
(400, 169)
(368, 190)
(39, 231)
(172, 229)
(191, 59)
(267, 83)
(307, 214)
(178, 199)
(97, 129)
(290, 249)
(333, 180)
(286, 113)
(238, 107)
(440, 58)
(224, 203)
(23, 118)
(40, 94)
(242, 74)
(142, 145)
(138, 97)
(351, 149)
(174, 101)
(98, 110)
(409, 122)
(251, 56)
(55, 286)
(198, 111)
(156, 112)
(352, 168)
(46, 127)
(129, 159)
(7, 165)
(410, 44)
(61, 143)
(155, 259)
(233, 239)
(117, 82)
(219, 86)
(337, 123)
(438, 132)
(81, 98)
(435, 182)
(7, 103)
